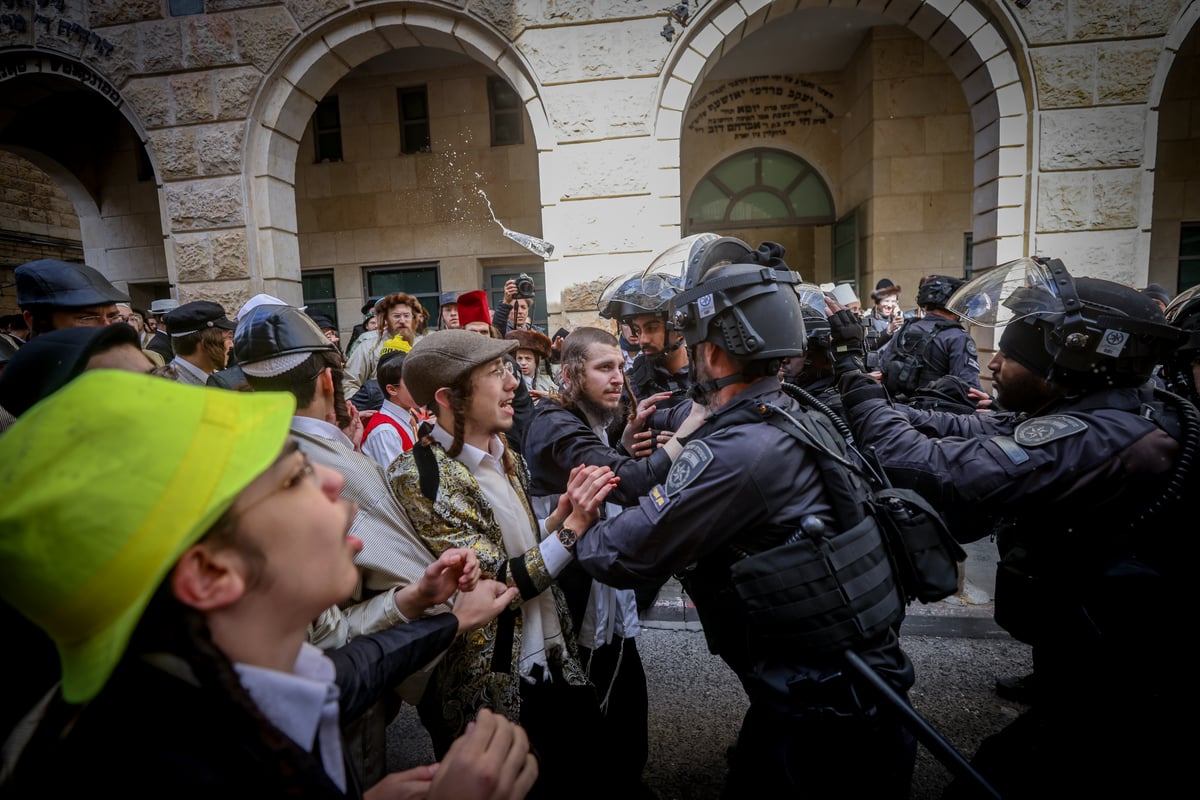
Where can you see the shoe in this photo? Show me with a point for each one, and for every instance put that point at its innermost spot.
(1018, 689)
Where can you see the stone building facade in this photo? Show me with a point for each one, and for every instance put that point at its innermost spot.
(329, 150)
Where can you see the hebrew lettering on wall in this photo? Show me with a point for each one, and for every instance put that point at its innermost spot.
(764, 106)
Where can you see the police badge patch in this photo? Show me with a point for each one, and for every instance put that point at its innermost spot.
(1043, 430)
(691, 462)
(1112, 343)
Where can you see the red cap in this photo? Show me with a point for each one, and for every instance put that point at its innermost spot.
(473, 307)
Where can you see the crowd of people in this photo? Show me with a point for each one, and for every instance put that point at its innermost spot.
(236, 558)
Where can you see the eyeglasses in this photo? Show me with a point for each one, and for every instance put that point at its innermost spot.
(100, 319)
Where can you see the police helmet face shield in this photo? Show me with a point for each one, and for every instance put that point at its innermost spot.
(1183, 313)
(731, 299)
(674, 260)
(811, 297)
(631, 295)
(1094, 333)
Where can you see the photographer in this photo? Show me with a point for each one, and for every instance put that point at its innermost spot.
(516, 312)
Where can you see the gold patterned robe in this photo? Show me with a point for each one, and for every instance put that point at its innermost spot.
(462, 517)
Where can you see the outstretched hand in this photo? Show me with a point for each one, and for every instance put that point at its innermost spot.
(481, 605)
(490, 761)
(635, 445)
(455, 569)
(588, 489)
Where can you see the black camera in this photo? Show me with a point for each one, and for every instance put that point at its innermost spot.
(525, 286)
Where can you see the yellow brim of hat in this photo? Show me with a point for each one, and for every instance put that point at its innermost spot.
(106, 483)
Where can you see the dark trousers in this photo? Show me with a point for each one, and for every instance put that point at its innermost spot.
(616, 671)
(566, 731)
(820, 755)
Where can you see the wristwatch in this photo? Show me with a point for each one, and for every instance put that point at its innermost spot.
(568, 538)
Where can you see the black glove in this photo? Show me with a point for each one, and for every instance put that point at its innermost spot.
(846, 327)
(846, 334)
(856, 386)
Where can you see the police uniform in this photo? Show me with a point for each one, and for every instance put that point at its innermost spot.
(647, 376)
(950, 350)
(810, 728)
(1095, 590)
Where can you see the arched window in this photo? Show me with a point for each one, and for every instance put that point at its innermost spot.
(760, 187)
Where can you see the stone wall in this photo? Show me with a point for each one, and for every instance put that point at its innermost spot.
(919, 147)
(32, 203)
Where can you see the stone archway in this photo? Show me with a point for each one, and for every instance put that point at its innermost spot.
(973, 48)
(41, 132)
(1168, 175)
(323, 55)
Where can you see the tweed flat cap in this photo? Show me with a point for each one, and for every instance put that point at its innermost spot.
(442, 358)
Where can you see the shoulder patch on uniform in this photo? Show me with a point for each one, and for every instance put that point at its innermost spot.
(972, 350)
(687, 467)
(1043, 430)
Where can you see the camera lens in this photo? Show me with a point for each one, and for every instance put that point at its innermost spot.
(524, 286)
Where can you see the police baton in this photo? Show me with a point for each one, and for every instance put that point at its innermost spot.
(925, 733)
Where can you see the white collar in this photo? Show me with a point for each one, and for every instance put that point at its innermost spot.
(301, 703)
(182, 363)
(321, 429)
(470, 456)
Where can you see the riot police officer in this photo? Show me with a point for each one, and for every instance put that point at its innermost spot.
(641, 301)
(1085, 470)
(929, 347)
(813, 371)
(738, 488)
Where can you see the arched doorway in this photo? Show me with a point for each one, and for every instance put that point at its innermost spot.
(1175, 223)
(61, 118)
(397, 76)
(962, 167)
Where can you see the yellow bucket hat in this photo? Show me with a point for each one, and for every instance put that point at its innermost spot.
(105, 484)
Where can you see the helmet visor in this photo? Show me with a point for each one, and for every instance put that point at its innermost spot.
(1012, 291)
(811, 297)
(1175, 308)
(674, 260)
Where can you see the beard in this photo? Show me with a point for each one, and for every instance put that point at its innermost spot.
(597, 414)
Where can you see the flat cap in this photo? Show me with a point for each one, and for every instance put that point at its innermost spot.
(197, 315)
(49, 283)
(442, 358)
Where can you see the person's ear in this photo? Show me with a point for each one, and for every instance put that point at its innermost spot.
(442, 397)
(325, 381)
(207, 579)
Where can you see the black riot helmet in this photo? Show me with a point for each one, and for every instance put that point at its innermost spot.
(935, 290)
(743, 300)
(816, 324)
(1184, 313)
(1081, 334)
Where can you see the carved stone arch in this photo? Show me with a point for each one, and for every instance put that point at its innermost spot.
(71, 71)
(974, 48)
(1183, 26)
(314, 63)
